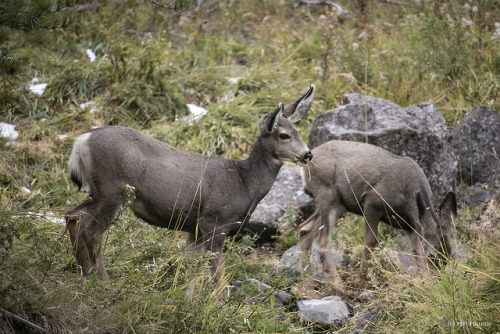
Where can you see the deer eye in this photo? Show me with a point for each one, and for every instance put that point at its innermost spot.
(284, 136)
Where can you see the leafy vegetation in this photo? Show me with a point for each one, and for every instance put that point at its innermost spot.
(237, 59)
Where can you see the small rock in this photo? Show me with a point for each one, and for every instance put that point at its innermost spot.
(330, 310)
(366, 296)
(91, 55)
(8, 131)
(196, 111)
(407, 262)
(476, 194)
(289, 276)
(37, 88)
(366, 319)
(462, 252)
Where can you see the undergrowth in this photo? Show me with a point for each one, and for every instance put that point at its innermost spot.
(237, 59)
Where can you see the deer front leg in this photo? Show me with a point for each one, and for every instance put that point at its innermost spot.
(213, 237)
(212, 244)
(372, 219)
(193, 245)
(215, 247)
(416, 247)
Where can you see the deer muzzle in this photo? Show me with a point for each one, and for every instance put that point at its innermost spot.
(308, 156)
(304, 159)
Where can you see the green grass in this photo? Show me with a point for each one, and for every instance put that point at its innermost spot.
(149, 64)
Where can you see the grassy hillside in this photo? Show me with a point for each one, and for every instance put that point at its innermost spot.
(237, 59)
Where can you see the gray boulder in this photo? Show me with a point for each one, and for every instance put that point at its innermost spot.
(418, 131)
(329, 310)
(476, 143)
(287, 191)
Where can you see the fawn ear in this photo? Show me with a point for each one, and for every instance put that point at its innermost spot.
(447, 211)
(269, 123)
(297, 110)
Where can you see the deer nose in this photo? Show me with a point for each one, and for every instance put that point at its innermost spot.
(308, 156)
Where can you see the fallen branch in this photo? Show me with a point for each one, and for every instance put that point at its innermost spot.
(88, 7)
(172, 8)
(394, 2)
(24, 321)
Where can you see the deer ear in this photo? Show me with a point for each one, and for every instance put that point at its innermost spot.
(269, 123)
(447, 210)
(297, 110)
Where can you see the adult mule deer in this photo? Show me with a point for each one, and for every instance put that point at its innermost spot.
(367, 180)
(167, 187)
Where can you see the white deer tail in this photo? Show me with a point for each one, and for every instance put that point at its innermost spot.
(75, 161)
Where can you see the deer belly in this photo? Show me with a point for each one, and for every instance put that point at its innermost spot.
(162, 217)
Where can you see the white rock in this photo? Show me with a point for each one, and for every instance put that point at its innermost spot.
(234, 80)
(91, 55)
(8, 131)
(37, 88)
(47, 216)
(85, 104)
(92, 110)
(196, 111)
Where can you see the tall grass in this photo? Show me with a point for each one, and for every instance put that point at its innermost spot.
(462, 298)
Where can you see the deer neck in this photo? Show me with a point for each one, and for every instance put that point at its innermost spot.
(259, 170)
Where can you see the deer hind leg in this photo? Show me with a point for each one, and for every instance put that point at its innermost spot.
(74, 224)
(87, 224)
(329, 219)
(308, 231)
